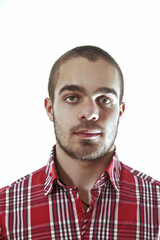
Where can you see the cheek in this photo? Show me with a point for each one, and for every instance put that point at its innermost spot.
(64, 120)
(110, 115)
(66, 114)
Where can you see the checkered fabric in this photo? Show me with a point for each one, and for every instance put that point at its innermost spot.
(125, 205)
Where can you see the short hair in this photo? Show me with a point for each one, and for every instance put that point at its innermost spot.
(92, 53)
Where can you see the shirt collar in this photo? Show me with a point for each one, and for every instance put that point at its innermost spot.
(51, 173)
(113, 170)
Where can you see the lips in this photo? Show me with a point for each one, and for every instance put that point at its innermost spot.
(88, 134)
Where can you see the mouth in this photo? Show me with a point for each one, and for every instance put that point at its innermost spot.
(88, 134)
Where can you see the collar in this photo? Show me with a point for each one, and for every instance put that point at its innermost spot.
(113, 170)
(51, 173)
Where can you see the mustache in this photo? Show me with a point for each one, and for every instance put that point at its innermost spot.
(87, 125)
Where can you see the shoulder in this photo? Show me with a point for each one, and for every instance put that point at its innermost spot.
(29, 181)
(138, 178)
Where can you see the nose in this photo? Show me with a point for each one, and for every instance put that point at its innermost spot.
(89, 111)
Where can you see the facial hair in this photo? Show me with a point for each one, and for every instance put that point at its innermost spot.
(85, 149)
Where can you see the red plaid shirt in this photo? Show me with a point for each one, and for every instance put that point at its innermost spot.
(125, 205)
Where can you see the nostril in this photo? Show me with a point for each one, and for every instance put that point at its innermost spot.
(89, 112)
(93, 117)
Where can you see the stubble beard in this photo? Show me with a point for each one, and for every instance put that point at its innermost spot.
(86, 149)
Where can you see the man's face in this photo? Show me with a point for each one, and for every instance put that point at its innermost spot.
(86, 108)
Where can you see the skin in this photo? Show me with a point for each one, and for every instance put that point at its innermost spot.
(86, 113)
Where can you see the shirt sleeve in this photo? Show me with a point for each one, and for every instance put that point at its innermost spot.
(2, 199)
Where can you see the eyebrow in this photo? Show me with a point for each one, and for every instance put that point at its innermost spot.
(106, 90)
(80, 89)
(72, 88)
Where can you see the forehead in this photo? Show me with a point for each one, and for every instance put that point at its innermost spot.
(89, 74)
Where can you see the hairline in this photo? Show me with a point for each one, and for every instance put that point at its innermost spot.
(65, 58)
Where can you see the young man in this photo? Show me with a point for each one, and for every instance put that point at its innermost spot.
(84, 192)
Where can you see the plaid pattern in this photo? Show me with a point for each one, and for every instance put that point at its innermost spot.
(125, 205)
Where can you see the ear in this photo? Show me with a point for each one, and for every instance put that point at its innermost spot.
(122, 109)
(49, 108)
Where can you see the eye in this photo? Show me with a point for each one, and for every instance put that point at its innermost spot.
(71, 99)
(105, 100)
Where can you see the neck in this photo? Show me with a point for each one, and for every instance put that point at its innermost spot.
(79, 173)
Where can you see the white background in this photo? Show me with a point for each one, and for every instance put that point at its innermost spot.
(34, 33)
